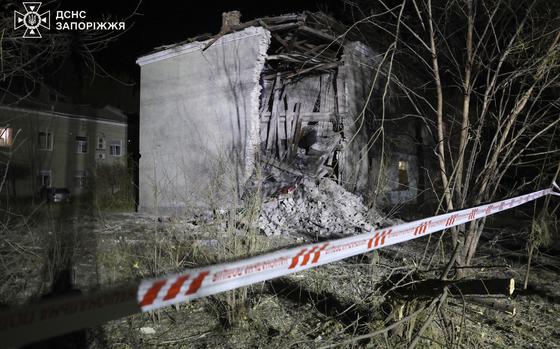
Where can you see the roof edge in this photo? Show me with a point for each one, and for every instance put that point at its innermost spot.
(65, 115)
(187, 48)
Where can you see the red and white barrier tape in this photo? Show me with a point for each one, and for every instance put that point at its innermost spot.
(65, 314)
(196, 283)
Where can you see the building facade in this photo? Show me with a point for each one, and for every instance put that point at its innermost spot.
(57, 146)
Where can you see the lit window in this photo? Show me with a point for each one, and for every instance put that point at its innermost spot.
(81, 144)
(403, 175)
(100, 143)
(45, 140)
(80, 179)
(5, 136)
(115, 148)
(45, 178)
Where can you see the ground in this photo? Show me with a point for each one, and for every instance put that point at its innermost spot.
(331, 305)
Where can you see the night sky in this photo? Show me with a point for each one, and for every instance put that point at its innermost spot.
(166, 22)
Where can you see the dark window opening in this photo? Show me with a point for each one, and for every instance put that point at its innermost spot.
(81, 145)
(45, 140)
(403, 175)
(100, 143)
(115, 148)
(45, 178)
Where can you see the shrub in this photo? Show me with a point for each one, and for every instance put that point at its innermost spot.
(112, 187)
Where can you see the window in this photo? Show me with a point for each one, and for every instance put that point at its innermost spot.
(115, 148)
(100, 143)
(81, 145)
(45, 140)
(45, 177)
(80, 179)
(5, 136)
(403, 175)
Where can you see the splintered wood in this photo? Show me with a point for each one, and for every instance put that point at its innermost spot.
(299, 122)
(300, 126)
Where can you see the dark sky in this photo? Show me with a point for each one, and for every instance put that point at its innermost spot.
(167, 22)
(158, 23)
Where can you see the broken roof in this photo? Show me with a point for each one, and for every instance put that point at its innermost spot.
(311, 35)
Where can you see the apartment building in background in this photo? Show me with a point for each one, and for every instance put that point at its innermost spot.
(47, 142)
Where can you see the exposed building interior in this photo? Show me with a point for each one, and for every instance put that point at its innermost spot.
(294, 95)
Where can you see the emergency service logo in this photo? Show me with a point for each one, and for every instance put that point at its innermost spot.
(63, 20)
(32, 20)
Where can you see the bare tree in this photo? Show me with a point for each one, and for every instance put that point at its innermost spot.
(489, 93)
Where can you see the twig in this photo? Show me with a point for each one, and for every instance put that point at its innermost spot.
(375, 333)
(198, 336)
(435, 303)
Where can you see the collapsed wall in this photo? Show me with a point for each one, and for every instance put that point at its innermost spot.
(304, 105)
(199, 114)
(323, 122)
(299, 125)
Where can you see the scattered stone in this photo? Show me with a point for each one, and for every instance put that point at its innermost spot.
(210, 243)
(319, 209)
(147, 330)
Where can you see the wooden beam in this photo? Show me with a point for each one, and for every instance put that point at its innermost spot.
(256, 22)
(321, 66)
(297, 58)
(329, 117)
(504, 306)
(280, 165)
(276, 36)
(282, 19)
(319, 34)
(273, 122)
(285, 26)
(294, 120)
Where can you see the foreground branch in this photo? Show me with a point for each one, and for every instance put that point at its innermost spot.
(433, 287)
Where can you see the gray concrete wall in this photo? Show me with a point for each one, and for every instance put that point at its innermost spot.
(360, 72)
(391, 192)
(199, 114)
(355, 78)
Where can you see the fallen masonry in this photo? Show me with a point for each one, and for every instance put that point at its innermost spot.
(317, 209)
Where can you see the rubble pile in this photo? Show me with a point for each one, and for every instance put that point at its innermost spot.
(317, 209)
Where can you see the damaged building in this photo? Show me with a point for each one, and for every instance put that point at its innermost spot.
(280, 97)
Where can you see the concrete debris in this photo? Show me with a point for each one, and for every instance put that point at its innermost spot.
(317, 209)
(147, 330)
